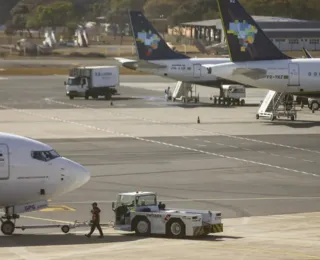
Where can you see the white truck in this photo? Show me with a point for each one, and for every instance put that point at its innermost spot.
(230, 95)
(92, 82)
(313, 104)
(140, 212)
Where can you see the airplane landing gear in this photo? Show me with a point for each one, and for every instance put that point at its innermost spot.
(7, 225)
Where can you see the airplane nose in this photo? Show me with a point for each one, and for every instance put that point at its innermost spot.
(75, 175)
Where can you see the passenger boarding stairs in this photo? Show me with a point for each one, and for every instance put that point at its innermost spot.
(185, 92)
(276, 104)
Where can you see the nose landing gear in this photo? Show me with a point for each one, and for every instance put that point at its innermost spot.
(7, 225)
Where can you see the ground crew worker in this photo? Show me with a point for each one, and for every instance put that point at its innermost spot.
(95, 220)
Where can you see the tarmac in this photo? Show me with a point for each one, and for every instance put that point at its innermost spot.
(263, 176)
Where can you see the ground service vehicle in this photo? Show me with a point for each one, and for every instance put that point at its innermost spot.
(313, 104)
(92, 82)
(230, 95)
(140, 212)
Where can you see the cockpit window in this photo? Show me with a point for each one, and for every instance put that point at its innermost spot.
(44, 155)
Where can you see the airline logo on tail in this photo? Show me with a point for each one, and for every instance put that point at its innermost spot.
(245, 33)
(150, 40)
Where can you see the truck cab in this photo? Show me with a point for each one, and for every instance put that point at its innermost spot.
(133, 202)
(76, 86)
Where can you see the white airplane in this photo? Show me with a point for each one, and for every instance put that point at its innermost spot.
(156, 57)
(31, 173)
(257, 62)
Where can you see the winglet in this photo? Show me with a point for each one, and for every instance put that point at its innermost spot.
(246, 41)
(306, 53)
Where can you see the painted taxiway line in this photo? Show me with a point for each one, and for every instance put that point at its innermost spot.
(107, 130)
(185, 127)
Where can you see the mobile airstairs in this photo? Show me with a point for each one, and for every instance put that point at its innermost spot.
(276, 105)
(185, 92)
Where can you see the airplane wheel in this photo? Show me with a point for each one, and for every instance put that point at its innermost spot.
(292, 117)
(257, 116)
(7, 228)
(65, 229)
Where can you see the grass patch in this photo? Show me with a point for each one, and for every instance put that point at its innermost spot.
(45, 71)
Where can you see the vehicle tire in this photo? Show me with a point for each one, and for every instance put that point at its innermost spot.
(142, 226)
(7, 228)
(314, 106)
(242, 102)
(175, 228)
(71, 97)
(292, 117)
(86, 96)
(65, 229)
(257, 116)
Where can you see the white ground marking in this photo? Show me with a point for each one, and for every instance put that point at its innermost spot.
(158, 142)
(246, 149)
(187, 127)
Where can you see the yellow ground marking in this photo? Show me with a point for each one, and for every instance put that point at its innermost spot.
(57, 208)
(48, 219)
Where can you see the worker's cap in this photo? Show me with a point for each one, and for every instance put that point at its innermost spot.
(94, 204)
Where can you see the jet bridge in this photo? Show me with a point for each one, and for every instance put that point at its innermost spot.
(276, 105)
(185, 92)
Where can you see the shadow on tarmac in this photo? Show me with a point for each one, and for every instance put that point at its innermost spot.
(195, 105)
(18, 240)
(295, 124)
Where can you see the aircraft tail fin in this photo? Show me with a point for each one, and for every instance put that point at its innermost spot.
(246, 40)
(149, 43)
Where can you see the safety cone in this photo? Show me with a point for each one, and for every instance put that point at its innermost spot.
(198, 120)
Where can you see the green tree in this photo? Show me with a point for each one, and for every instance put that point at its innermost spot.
(56, 14)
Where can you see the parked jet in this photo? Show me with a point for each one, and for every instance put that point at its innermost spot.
(256, 61)
(31, 173)
(156, 57)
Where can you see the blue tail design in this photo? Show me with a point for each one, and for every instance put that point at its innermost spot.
(149, 44)
(246, 41)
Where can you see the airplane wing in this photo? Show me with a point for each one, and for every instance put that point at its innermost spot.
(250, 73)
(141, 64)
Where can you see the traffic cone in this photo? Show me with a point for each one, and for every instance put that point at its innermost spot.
(198, 120)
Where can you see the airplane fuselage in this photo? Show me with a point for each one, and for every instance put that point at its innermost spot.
(296, 76)
(189, 70)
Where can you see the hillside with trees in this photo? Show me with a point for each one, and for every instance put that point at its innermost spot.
(34, 14)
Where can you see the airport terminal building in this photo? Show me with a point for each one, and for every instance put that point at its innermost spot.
(288, 34)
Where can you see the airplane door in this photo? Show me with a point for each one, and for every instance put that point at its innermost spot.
(294, 75)
(4, 162)
(196, 70)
